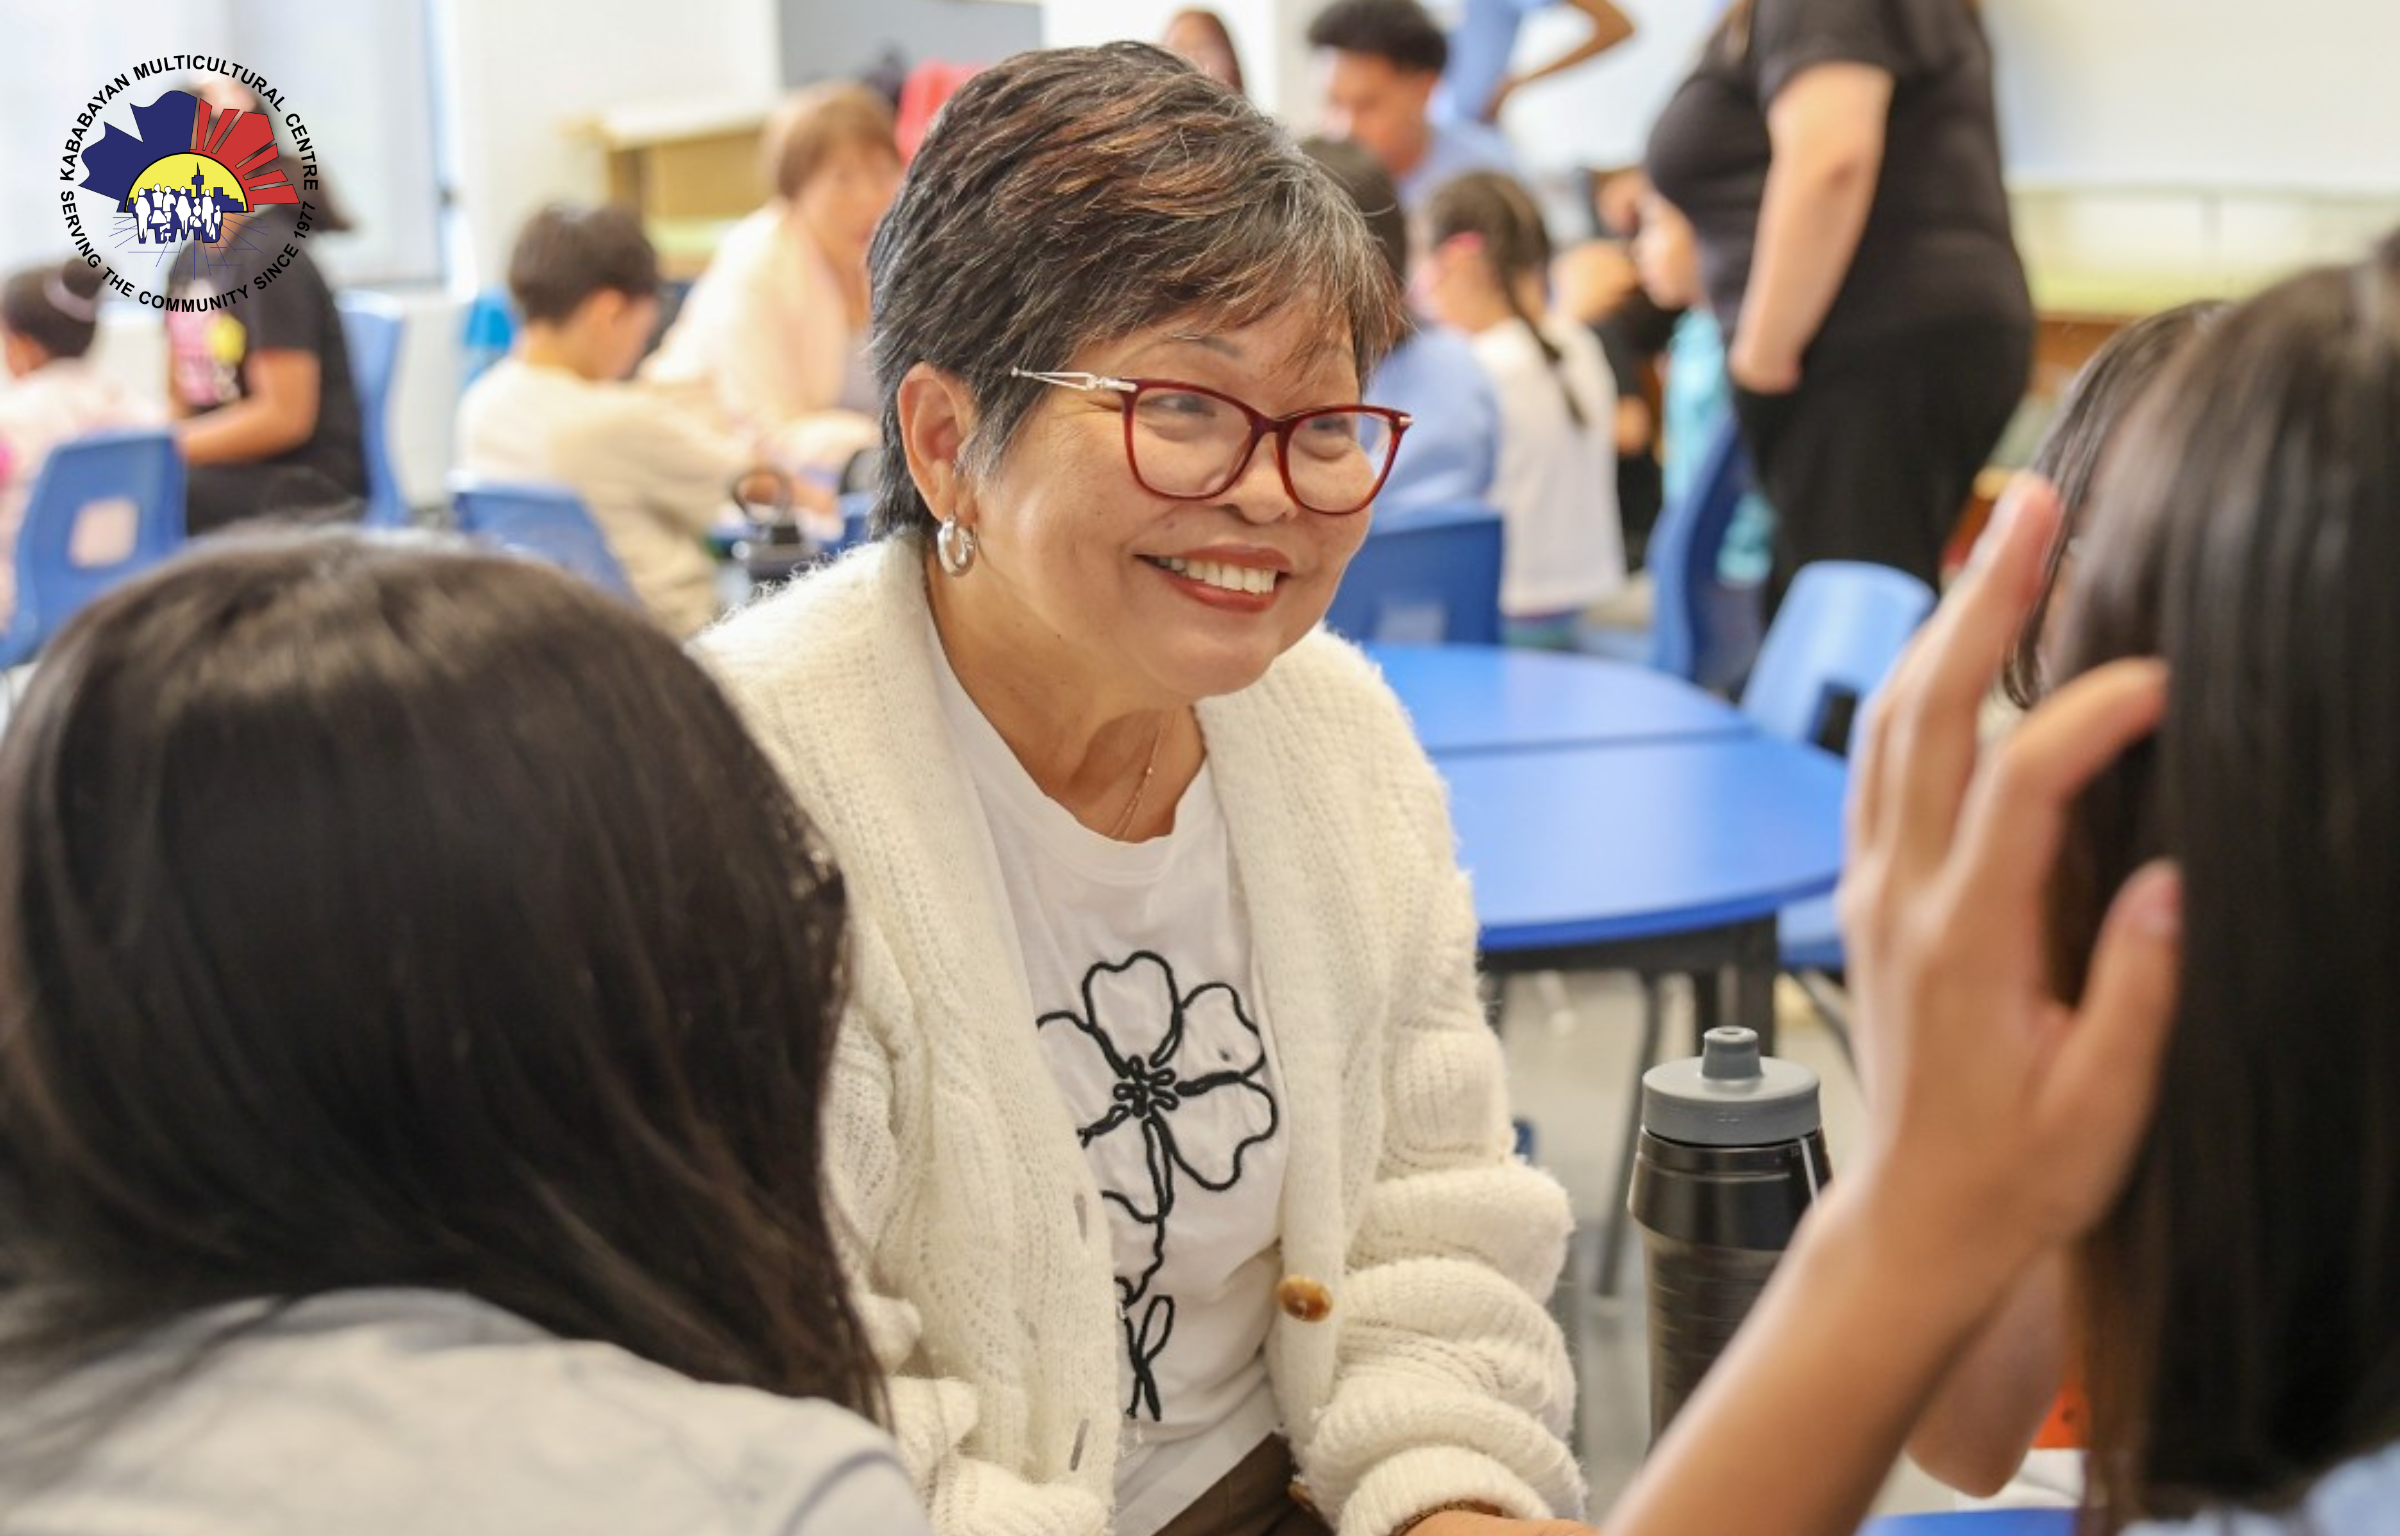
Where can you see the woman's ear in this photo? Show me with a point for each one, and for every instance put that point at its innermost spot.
(937, 415)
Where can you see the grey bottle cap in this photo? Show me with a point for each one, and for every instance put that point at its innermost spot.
(1729, 1095)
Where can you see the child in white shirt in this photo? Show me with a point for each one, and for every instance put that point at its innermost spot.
(1557, 482)
(655, 476)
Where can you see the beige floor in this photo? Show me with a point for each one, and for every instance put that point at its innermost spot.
(1570, 1043)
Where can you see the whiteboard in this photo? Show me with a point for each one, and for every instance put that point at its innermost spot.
(2266, 95)
(2299, 95)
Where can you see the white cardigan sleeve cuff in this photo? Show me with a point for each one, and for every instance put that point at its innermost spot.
(1414, 1482)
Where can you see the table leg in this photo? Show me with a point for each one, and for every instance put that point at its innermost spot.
(1708, 1003)
(1492, 991)
(1753, 972)
(1612, 1232)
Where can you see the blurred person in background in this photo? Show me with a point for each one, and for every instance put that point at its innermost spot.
(1840, 163)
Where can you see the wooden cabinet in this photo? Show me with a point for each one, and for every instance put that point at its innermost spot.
(689, 171)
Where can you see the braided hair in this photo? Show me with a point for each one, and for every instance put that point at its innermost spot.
(1495, 208)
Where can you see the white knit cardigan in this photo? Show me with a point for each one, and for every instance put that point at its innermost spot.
(977, 1238)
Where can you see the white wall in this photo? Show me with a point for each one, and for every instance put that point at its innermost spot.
(524, 72)
(1599, 114)
(2298, 95)
(2155, 145)
(825, 39)
(520, 75)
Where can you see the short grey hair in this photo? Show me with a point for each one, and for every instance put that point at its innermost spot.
(1074, 196)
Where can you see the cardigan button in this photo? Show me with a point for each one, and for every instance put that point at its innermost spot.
(1303, 1299)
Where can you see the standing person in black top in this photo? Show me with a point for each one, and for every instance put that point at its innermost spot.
(267, 413)
(1840, 161)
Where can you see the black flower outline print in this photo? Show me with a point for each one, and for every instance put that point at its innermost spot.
(1166, 1029)
(1144, 1343)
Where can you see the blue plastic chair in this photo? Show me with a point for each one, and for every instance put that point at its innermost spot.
(1683, 554)
(490, 329)
(1840, 631)
(547, 522)
(858, 510)
(1429, 577)
(1842, 626)
(139, 468)
(1683, 639)
(371, 328)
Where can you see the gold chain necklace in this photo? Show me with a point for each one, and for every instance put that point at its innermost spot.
(1141, 785)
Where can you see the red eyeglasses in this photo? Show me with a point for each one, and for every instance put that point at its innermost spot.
(1189, 443)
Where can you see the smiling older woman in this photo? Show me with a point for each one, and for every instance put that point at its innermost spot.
(1170, 1130)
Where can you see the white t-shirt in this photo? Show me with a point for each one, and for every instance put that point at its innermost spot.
(427, 1413)
(1138, 959)
(654, 475)
(1556, 487)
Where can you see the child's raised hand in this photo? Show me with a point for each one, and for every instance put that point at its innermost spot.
(1997, 1113)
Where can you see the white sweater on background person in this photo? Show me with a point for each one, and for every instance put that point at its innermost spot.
(1412, 1360)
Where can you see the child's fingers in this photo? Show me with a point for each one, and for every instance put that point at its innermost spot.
(1929, 721)
(2016, 811)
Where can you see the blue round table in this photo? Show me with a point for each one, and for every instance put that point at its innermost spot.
(1584, 849)
(1486, 698)
(1659, 857)
(1976, 1522)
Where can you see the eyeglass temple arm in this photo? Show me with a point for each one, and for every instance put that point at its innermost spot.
(1082, 381)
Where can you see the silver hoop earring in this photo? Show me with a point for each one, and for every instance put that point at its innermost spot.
(955, 545)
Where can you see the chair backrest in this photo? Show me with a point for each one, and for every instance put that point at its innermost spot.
(858, 511)
(548, 522)
(140, 474)
(371, 328)
(1431, 576)
(1841, 627)
(1683, 553)
(488, 332)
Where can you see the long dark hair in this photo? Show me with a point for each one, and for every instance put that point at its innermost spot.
(1494, 207)
(2239, 1326)
(2096, 403)
(391, 915)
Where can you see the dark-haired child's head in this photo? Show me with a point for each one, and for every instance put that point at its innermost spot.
(48, 313)
(1379, 61)
(1486, 252)
(392, 914)
(586, 280)
(2097, 402)
(1370, 186)
(2244, 526)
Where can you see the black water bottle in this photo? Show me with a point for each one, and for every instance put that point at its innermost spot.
(1732, 1152)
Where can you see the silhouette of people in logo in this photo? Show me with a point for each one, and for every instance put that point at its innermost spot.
(171, 215)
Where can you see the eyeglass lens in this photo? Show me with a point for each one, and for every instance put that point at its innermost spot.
(1186, 443)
